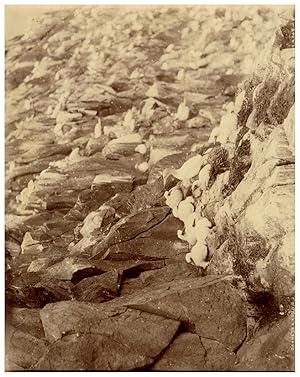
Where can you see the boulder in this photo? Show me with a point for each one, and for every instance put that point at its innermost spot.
(98, 288)
(128, 228)
(89, 337)
(23, 350)
(73, 269)
(272, 349)
(190, 352)
(200, 303)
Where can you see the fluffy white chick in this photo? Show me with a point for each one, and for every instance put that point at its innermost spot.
(198, 255)
(185, 208)
(189, 234)
(202, 229)
(203, 178)
(173, 197)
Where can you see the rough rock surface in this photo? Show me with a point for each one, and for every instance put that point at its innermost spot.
(99, 102)
(100, 339)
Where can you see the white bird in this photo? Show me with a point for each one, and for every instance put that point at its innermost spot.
(27, 104)
(170, 47)
(143, 167)
(180, 74)
(203, 178)
(198, 255)
(141, 148)
(187, 171)
(228, 128)
(98, 130)
(129, 121)
(49, 110)
(202, 229)
(173, 197)
(214, 135)
(185, 208)
(74, 155)
(182, 111)
(189, 233)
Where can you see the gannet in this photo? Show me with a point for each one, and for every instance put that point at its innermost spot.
(187, 171)
(143, 167)
(182, 111)
(185, 208)
(189, 233)
(198, 255)
(141, 148)
(214, 135)
(173, 197)
(98, 130)
(203, 178)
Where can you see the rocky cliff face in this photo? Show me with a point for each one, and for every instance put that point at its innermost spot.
(101, 105)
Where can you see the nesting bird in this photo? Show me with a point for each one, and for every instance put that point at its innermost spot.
(197, 238)
(228, 127)
(203, 178)
(187, 171)
(214, 135)
(202, 229)
(173, 197)
(180, 74)
(74, 155)
(143, 167)
(198, 255)
(98, 130)
(189, 234)
(182, 111)
(141, 148)
(185, 208)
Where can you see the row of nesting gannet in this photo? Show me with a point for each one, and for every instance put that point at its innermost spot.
(196, 226)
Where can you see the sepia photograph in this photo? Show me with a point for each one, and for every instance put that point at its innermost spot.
(149, 188)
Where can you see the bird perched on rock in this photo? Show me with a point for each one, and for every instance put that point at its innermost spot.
(75, 155)
(173, 197)
(129, 121)
(141, 148)
(214, 135)
(142, 167)
(203, 178)
(182, 111)
(189, 234)
(187, 171)
(180, 74)
(228, 128)
(98, 130)
(185, 208)
(202, 229)
(198, 255)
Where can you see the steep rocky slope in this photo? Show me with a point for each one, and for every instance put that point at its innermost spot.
(100, 102)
